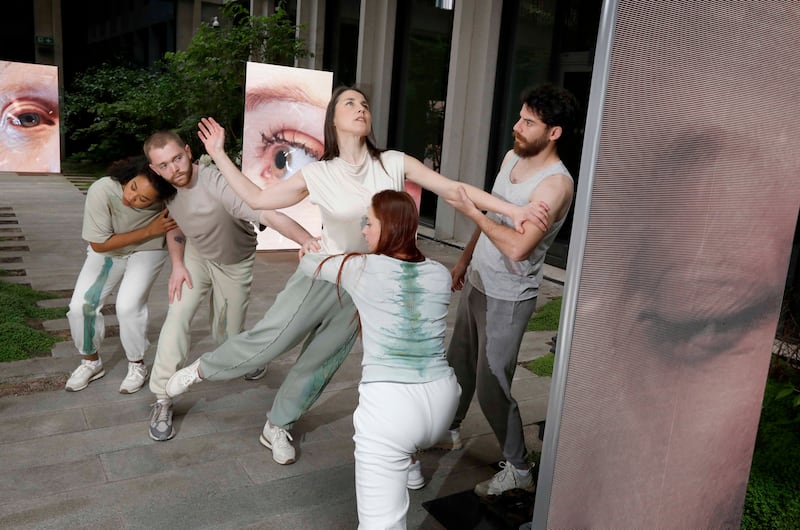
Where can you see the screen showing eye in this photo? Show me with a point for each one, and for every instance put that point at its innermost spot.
(283, 131)
(29, 118)
(687, 217)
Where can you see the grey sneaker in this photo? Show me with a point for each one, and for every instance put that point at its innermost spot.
(183, 379)
(277, 439)
(451, 441)
(508, 478)
(133, 382)
(255, 375)
(85, 373)
(161, 428)
(415, 479)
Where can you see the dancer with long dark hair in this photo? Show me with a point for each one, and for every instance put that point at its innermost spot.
(342, 183)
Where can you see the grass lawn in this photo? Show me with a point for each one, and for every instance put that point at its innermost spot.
(545, 319)
(19, 316)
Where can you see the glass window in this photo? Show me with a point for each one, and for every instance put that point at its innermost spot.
(419, 86)
(543, 41)
(341, 40)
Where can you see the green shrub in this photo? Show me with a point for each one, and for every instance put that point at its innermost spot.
(110, 109)
(773, 493)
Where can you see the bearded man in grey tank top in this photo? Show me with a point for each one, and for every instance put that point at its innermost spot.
(499, 274)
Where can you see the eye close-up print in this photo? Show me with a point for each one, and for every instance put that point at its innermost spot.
(283, 131)
(29, 118)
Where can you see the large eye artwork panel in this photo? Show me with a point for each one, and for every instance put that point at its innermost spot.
(283, 131)
(29, 118)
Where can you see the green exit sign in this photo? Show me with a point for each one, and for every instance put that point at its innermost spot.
(45, 41)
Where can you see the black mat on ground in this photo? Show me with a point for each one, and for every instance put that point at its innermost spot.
(467, 511)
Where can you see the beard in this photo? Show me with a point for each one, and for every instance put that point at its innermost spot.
(181, 179)
(525, 149)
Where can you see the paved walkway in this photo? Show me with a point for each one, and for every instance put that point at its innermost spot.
(84, 459)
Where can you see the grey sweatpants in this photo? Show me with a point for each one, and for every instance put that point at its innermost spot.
(305, 308)
(483, 352)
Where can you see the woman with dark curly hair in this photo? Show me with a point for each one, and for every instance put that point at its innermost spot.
(124, 222)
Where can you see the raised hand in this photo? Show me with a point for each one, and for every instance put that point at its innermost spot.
(212, 135)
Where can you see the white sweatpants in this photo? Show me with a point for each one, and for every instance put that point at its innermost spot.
(229, 287)
(101, 274)
(392, 422)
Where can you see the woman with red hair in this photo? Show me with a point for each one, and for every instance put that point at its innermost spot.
(408, 393)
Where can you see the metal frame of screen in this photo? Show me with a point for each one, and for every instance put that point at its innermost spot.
(577, 245)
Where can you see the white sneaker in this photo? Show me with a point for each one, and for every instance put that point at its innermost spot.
(183, 379)
(451, 441)
(508, 478)
(133, 382)
(415, 479)
(84, 374)
(277, 439)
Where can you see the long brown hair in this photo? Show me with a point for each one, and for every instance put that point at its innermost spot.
(397, 212)
(331, 150)
(399, 218)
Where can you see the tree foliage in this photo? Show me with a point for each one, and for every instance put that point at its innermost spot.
(111, 109)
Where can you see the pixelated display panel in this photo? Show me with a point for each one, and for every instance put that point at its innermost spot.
(692, 214)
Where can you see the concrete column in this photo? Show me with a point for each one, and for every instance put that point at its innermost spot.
(468, 114)
(187, 20)
(262, 8)
(311, 15)
(47, 23)
(197, 15)
(375, 60)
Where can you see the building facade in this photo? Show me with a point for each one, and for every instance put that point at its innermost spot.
(444, 76)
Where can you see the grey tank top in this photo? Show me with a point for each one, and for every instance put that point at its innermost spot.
(490, 271)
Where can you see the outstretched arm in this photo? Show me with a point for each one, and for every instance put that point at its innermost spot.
(555, 191)
(417, 172)
(287, 227)
(279, 195)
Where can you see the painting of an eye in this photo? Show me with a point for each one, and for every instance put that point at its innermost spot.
(286, 152)
(28, 114)
(29, 118)
(284, 117)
